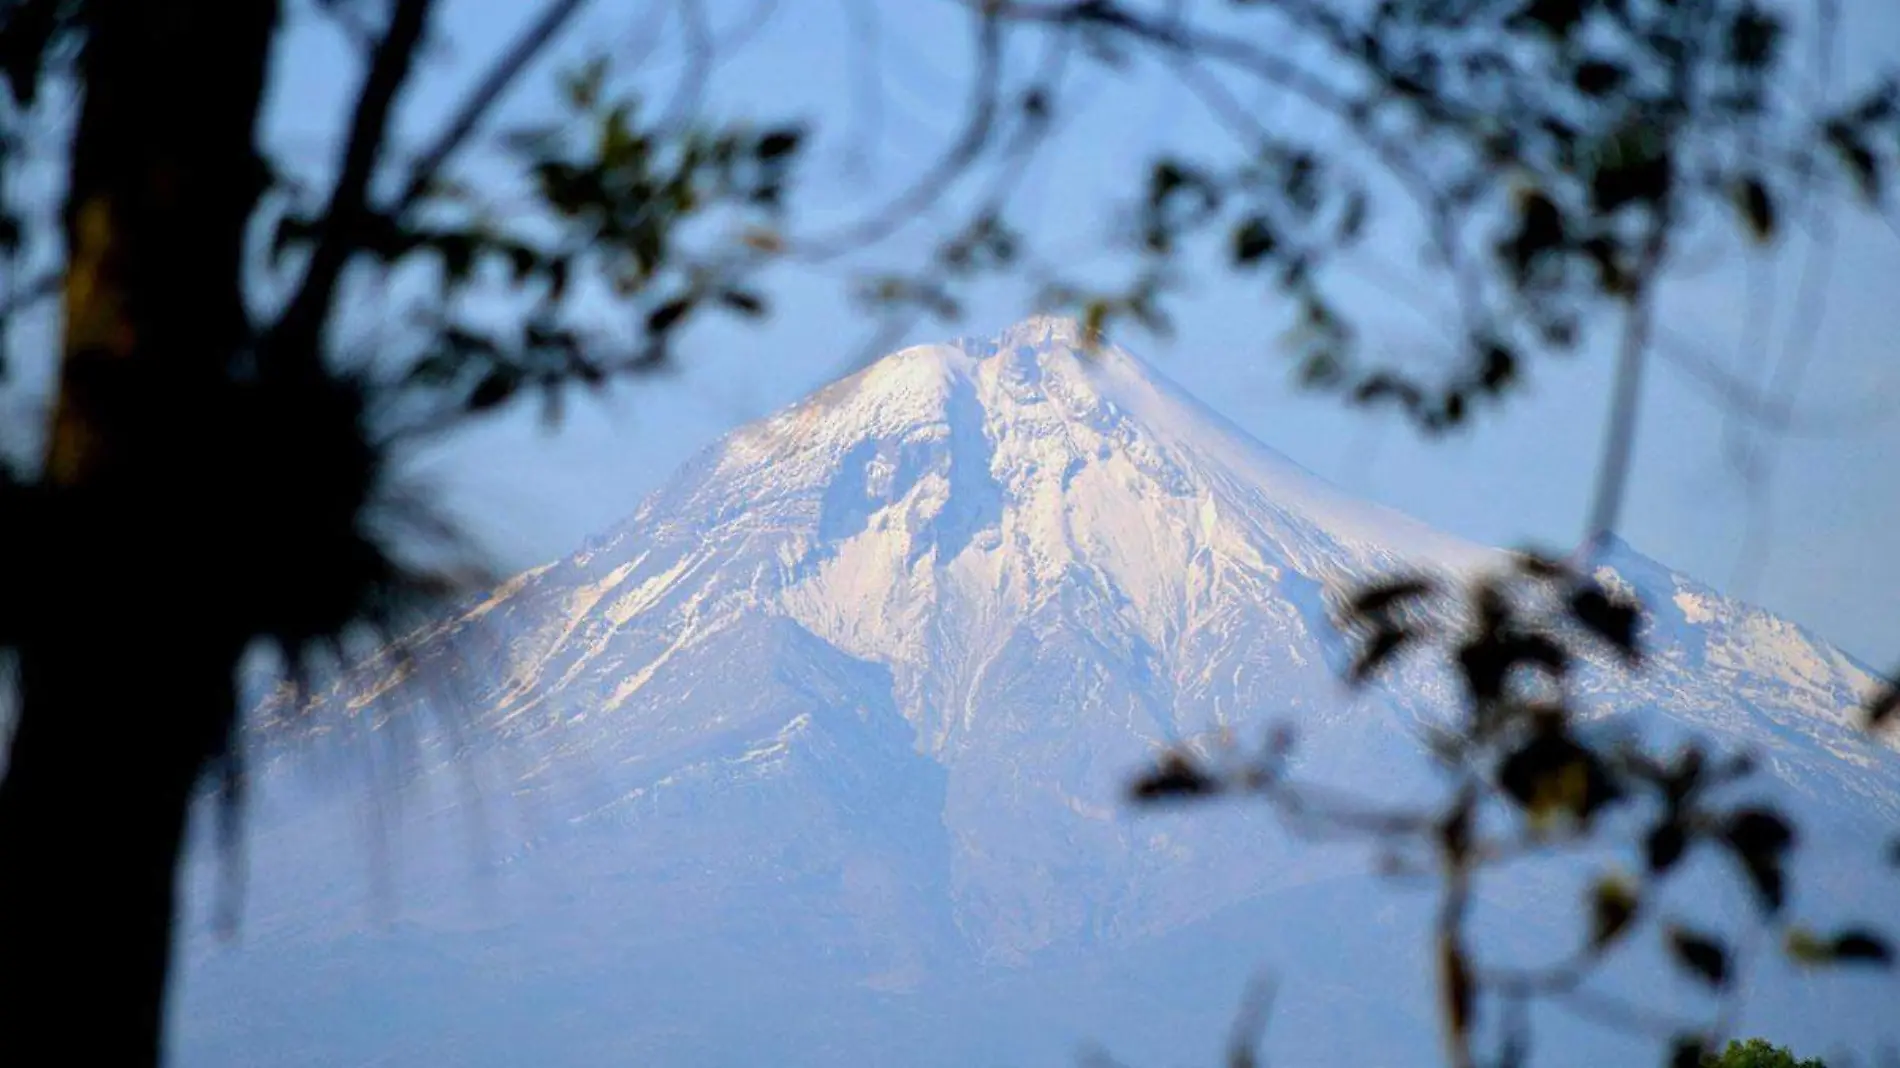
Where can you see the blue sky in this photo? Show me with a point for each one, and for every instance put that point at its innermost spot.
(1520, 476)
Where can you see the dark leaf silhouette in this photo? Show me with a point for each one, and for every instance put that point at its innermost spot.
(668, 315)
(1612, 620)
(1596, 77)
(743, 302)
(1688, 1051)
(1757, 207)
(1175, 775)
(1701, 954)
(1760, 840)
(1862, 947)
(1881, 707)
(1758, 830)
(1386, 595)
(1553, 774)
(1384, 644)
(1253, 239)
(1664, 845)
(1488, 661)
(1860, 161)
(1540, 565)
(779, 144)
(1769, 880)
(1613, 906)
(1851, 946)
(497, 386)
(1558, 18)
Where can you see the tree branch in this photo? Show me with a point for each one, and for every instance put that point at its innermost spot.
(476, 107)
(969, 144)
(301, 327)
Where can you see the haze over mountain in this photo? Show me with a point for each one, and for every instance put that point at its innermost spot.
(819, 758)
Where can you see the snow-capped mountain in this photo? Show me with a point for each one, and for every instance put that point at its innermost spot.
(820, 755)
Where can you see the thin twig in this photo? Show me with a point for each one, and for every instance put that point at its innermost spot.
(475, 108)
(339, 231)
(968, 147)
(691, 90)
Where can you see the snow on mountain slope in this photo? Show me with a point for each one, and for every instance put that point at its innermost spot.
(874, 671)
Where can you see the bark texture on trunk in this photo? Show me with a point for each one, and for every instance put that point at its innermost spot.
(126, 671)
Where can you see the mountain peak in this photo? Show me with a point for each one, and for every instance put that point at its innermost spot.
(1033, 340)
(877, 668)
(1041, 330)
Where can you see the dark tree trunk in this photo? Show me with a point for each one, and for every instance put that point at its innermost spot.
(126, 664)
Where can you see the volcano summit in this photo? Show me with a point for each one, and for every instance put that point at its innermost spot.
(819, 758)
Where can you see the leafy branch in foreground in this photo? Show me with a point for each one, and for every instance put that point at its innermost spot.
(1524, 781)
(1550, 160)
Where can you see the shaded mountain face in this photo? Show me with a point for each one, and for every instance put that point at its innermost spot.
(820, 755)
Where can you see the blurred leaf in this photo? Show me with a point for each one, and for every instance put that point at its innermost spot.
(1754, 36)
(1499, 368)
(1352, 221)
(1174, 776)
(1613, 906)
(1881, 706)
(1701, 954)
(1665, 845)
(1804, 947)
(1688, 1051)
(763, 240)
(1552, 774)
(1759, 830)
(1633, 167)
(1181, 197)
(668, 315)
(1852, 946)
(1451, 411)
(779, 143)
(1541, 230)
(1849, 143)
(750, 305)
(497, 386)
(1612, 620)
(1862, 947)
(1253, 239)
(1384, 644)
(1385, 595)
(1381, 386)
(1556, 18)
(1612, 275)
(1488, 660)
(1540, 565)
(1760, 838)
(1094, 319)
(1599, 77)
(1758, 210)
(1035, 104)
(583, 85)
